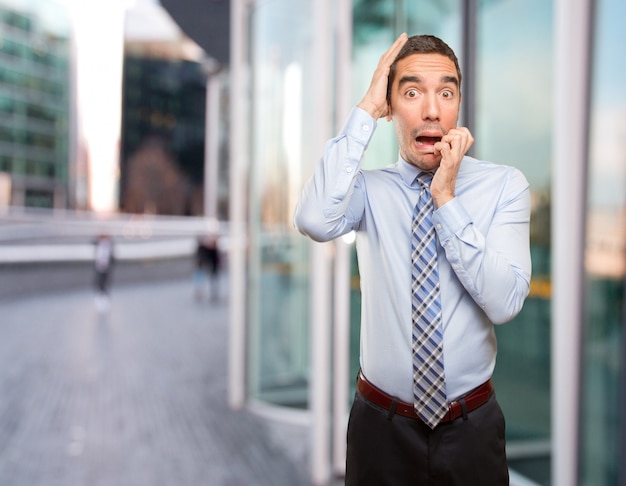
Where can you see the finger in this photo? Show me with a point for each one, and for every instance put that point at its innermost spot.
(442, 147)
(399, 42)
(452, 143)
(390, 55)
(459, 139)
(465, 137)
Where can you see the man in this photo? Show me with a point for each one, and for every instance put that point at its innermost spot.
(103, 266)
(440, 261)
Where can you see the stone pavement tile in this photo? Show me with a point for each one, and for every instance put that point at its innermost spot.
(133, 397)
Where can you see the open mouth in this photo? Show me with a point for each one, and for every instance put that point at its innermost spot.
(427, 141)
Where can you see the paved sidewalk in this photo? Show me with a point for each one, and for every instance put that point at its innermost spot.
(134, 397)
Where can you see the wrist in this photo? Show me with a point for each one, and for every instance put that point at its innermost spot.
(442, 199)
(374, 111)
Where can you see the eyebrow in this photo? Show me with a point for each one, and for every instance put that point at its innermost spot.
(451, 79)
(416, 79)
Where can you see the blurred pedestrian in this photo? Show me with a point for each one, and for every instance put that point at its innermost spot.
(103, 267)
(207, 267)
(444, 254)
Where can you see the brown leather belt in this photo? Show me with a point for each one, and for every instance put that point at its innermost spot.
(472, 400)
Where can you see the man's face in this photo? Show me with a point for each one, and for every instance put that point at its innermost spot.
(425, 103)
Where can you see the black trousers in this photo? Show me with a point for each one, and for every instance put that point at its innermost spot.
(397, 450)
(102, 279)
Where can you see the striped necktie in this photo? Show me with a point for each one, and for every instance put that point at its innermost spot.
(428, 374)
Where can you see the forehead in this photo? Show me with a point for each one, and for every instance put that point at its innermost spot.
(422, 65)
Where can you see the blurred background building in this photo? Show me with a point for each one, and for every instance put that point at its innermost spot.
(163, 123)
(52, 156)
(227, 121)
(35, 92)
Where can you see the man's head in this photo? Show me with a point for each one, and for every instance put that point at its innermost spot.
(424, 97)
(422, 44)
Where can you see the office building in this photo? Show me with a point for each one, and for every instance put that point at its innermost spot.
(35, 91)
(164, 123)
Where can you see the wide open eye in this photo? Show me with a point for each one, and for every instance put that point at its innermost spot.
(412, 93)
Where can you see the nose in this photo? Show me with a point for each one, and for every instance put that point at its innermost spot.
(430, 107)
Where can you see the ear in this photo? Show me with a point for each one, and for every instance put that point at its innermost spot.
(389, 114)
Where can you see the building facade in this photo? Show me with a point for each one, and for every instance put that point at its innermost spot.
(163, 130)
(297, 68)
(35, 92)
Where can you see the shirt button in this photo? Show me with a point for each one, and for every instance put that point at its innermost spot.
(438, 226)
(349, 170)
(366, 128)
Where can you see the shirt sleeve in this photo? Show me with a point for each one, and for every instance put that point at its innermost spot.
(332, 203)
(494, 267)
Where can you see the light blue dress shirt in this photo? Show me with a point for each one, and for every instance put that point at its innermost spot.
(483, 255)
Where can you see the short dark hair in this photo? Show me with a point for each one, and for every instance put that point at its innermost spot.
(422, 44)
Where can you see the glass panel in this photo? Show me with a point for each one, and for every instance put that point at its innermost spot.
(513, 127)
(605, 257)
(374, 29)
(281, 44)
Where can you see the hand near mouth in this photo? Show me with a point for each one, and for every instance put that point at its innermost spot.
(452, 148)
